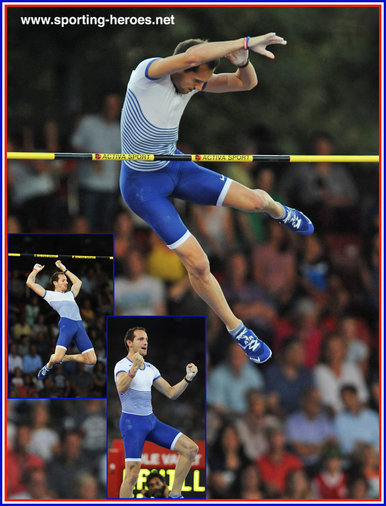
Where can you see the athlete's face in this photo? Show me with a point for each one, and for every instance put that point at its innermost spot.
(139, 343)
(61, 284)
(187, 81)
(156, 487)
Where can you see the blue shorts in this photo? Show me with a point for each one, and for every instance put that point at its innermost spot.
(73, 329)
(147, 194)
(136, 429)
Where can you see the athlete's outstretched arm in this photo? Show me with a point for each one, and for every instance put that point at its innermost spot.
(38, 289)
(202, 53)
(173, 392)
(76, 282)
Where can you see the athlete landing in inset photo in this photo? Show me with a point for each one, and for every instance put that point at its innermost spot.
(157, 93)
(70, 324)
(134, 379)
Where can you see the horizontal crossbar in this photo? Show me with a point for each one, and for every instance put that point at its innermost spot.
(194, 158)
(48, 255)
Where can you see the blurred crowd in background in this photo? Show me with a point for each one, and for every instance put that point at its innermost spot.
(56, 449)
(33, 333)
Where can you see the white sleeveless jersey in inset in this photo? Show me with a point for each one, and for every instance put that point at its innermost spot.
(64, 304)
(137, 399)
(151, 116)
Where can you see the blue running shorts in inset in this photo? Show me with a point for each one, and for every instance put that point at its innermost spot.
(73, 329)
(148, 194)
(136, 429)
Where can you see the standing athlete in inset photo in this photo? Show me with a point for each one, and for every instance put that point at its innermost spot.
(157, 93)
(70, 324)
(134, 379)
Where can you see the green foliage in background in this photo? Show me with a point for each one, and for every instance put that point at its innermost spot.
(326, 78)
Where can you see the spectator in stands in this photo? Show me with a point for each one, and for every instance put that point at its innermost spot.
(48, 389)
(137, 292)
(86, 487)
(277, 463)
(249, 301)
(334, 372)
(298, 486)
(229, 382)
(252, 426)
(358, 487)
(274, 264)
(228, 455)
(99, 379)
(287, 379)
(32, 310)
(309, 430)
(357, 350)
(314, 268)
(81, 381)
(21, 328)
(29, 388)
(162, 263)
(98, 181)
(44, 440)
(93, 427)
(355, 425)
(251, 486)
(20, 461)
(67, 465)
(368, 463)
(35, 483)
(328, 190)
(14, 359)
(33, 187)
(17, 381)
(32, 362)
(331, 481)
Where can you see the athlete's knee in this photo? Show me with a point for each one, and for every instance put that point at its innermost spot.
(131, 474)
(190, 450)
(198, 264)
(90, 359)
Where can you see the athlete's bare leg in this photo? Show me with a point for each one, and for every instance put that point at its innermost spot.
(188, 451)
(243, 198)
(88, 357)
(132, 468)
(202, 280)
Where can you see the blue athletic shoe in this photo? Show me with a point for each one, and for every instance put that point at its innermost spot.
(43, 372)
(296, 221)
(175, 496)
(256, 349)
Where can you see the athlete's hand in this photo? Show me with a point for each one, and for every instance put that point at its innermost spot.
(259, 44)
(38, 267)
(138, 360)
(238, 57)
(60, 266)
(191, 371)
